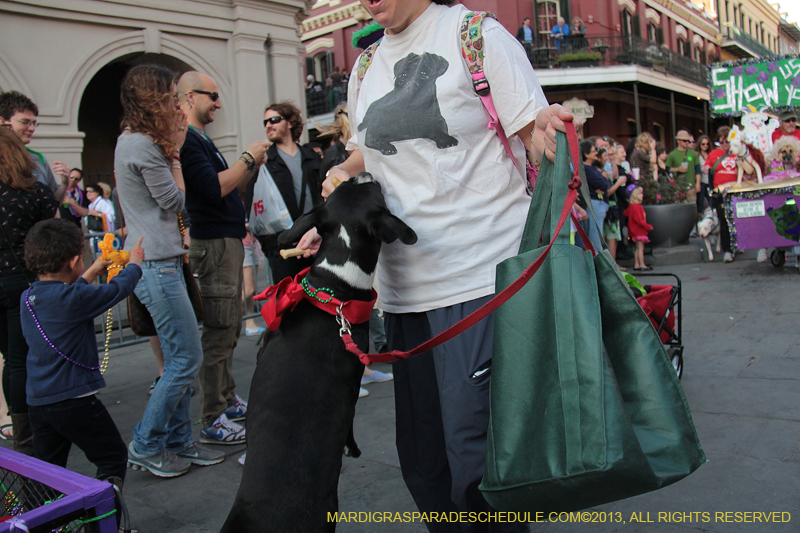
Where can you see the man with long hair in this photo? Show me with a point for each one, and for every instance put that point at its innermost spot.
(217, 253)
(295, 170)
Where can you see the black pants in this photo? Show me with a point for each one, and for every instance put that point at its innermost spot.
(724, 229)
(442, 410)
(85, 423)
(12, 343)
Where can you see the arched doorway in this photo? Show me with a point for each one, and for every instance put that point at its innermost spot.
(100, 113)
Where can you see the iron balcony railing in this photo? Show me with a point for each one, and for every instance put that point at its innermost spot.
(735, 33)
(320, 101)
(617, 50)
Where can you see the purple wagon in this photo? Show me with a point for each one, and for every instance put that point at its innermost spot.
(40, 497)
(765, 215)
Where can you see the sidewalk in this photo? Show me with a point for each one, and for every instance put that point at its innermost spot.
(742, 349)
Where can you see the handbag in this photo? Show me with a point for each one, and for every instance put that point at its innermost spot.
(268, 213)
(141, 322)
(585, 406)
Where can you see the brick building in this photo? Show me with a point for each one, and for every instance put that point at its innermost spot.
(641, 63)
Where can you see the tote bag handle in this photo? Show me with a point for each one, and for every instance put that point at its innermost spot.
(571, 193)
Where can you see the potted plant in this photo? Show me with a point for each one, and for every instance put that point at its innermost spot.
(578, 59)
(668, 210)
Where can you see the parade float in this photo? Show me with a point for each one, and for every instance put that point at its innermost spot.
(761, 208)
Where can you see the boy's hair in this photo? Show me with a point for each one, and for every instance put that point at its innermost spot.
(13, 102)
(50, 245)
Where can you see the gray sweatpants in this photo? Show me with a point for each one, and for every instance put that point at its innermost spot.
(442, 410)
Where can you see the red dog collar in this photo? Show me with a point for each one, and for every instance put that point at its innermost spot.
(290, 292)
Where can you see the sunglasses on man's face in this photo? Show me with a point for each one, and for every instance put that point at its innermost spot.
(273, 120)
(214, 96)
(791, 120)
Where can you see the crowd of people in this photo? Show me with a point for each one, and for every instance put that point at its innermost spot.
(170, 176)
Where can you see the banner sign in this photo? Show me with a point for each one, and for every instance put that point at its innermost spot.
(737, 87)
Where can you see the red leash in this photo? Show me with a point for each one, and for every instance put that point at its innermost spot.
(497, 301)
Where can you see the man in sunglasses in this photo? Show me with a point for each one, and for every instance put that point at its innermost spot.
(788, 126)
(19, 113)
(683, 164)
(295, 170)
(218, 227)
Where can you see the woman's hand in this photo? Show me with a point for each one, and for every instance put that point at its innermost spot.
(335, 173)
(548, 121)
(179, 136)
(311, 241)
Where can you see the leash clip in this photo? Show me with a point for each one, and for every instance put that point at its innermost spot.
(344, 325)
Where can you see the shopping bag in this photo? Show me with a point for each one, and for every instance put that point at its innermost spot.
(585, 406)
(268, 214)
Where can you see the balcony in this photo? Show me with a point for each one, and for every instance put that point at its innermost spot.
(736, 42)
(320, 101)
(618, 50)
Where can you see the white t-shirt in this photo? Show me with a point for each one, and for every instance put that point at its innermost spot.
(101, 205)
(423, 133)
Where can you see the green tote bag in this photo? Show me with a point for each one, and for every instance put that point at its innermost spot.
(585, 406)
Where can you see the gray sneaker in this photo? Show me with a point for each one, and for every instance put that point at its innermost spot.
(200, 455)
(164, 464)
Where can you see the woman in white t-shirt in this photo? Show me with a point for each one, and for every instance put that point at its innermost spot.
(421, 130)
(100, 207)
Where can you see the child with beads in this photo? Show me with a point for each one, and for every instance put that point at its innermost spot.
(57, 314)
(638, 228)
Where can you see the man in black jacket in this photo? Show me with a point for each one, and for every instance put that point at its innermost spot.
(216, 254)
(295, 170)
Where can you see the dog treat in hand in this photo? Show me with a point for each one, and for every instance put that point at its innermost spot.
(293, 252)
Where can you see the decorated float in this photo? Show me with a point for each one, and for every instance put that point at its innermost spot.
(761, 207)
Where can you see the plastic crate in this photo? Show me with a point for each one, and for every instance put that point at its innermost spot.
(40, 497)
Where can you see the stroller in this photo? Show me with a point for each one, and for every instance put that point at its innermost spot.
(662, 304)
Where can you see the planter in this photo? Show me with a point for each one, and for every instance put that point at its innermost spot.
(578, 64)
(672, 223)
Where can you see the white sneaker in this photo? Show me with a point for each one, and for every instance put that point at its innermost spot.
(376, 377)
(762, 256)
(728, 258)
(362, 392)
(223, 431)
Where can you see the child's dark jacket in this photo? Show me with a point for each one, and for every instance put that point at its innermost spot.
(66, 314)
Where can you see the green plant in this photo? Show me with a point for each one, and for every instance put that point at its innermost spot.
(577, 56)
(666, 190)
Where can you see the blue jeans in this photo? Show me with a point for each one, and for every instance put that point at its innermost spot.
(166, 422)
(600, 209)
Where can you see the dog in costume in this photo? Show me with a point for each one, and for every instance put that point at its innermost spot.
(783, 160)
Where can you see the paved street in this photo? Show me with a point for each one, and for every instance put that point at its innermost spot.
(742, 350)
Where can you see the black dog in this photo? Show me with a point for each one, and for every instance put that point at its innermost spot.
(305, 386)
(411, 109)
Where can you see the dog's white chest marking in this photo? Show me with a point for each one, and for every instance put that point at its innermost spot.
(344, 236)
(350, 273)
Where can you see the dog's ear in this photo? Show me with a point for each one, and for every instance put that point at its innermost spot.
(300, 226)
(388, 228)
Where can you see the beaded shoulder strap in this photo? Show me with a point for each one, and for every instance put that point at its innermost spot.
(472, 40)
(365, 59)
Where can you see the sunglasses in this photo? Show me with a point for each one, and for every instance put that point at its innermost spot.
(790, 120)
(214, 96)
(273, 120)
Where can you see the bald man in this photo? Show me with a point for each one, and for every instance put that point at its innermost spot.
(217, 228)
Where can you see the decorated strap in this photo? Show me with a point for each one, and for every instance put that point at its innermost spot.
(365, 60)
(472, 40)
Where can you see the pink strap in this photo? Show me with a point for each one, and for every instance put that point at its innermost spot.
(480, 84)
